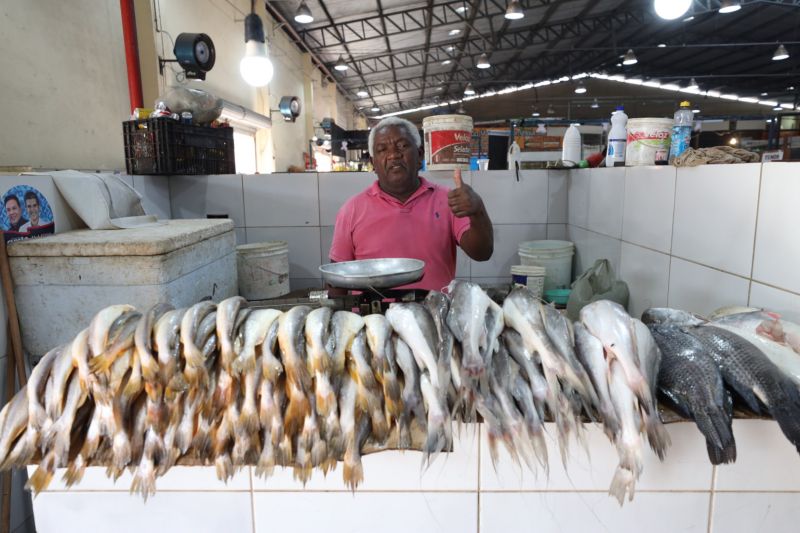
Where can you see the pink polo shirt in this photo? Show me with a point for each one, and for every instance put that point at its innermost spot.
(374, 224)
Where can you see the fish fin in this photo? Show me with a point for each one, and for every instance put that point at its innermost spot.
(74, 473)
(297, 410)
(121, 450)
(657, 435)
(224, 467)
(353, 473)
(43, 475)
(786, 410)
(102, 363)
(144, 481)
(623, 484)
(248, 418)
(246, 362)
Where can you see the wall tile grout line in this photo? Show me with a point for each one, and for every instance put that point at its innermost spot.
(478, 429)
(755, 234)
(252, 500)
(711, 499)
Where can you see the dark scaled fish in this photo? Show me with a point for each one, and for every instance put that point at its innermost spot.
(692, 384)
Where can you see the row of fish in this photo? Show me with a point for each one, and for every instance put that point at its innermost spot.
(229, 385)
(750, 354)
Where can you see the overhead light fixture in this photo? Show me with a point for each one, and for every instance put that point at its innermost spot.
(729, 6)
(462, 8)
(695, 110)
(446, 62)
(595, 104)
(734, 141)
(662, 45)
(780, 54)
(693, 85)
(629, 58)
(340, 65)
(469, 90)
(461, 110)
(580, 88)
(454, 31)
(619, 64)
(535, 112)
(550, 110)
(790, 88)
(764, 94)
(514, 10)
(450, 48)
(362, 92)
(483, 61)
(689, 18)
(375, 109)
(777, 108)
(671, 9)
(255, 67)
(303, 14)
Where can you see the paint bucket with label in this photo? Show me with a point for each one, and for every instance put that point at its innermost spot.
(648, 141)
(448, 142)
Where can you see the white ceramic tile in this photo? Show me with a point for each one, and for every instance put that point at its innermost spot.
(700, 289)
(591, 246)
(198, 196)
(785, 303)
(649, 206)
(777, 257)
(606, 197)
(591, 512)
(335, 188)
(241, 235)
(509, 201)
(647, 274)
(686, 466)
(493, 282)
(155, 195)
(175, 512)
(756, 513)
(281, 199)
(326, 239)
(463, 264)
(176, 478)
(715, 216)
(578, 198)
(304, 247)
(397, 470)
(422, 512)
(557, 232)
(765, 459)
(558, 183)
(305, 283)
(506, 246)
(445, 177)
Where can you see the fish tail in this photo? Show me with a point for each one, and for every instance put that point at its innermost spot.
(393, 394)
(248, 418)
(144, 481)
(325, 401)
(319, 451)
(623, 484)
(266, 461)
(246, 362)
(101, 363)
(380, 426)
(75, 471)
(224, 467)
(657, 435)
(149, 369)
(43, 475)
(353, 473)
(297, 410)
(786, 411)
(121, 450)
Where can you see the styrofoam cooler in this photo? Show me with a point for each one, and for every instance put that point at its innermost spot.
(61, 281)
(554, 256)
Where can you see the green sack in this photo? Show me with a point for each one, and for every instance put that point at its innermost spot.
(597, 283)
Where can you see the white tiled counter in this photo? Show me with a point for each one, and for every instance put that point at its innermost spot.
(462, 492)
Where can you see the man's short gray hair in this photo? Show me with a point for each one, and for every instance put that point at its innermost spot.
(407, 125)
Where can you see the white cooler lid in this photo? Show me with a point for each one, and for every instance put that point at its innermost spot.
(148, 240)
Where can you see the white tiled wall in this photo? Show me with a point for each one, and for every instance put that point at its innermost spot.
(694, 238)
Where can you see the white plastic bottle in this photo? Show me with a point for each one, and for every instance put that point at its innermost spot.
(617, 138)
(571, 149)
(681, 137)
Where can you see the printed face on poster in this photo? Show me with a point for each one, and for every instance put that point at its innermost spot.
(26, 213)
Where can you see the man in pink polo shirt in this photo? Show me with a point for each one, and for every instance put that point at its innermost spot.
(404, 215)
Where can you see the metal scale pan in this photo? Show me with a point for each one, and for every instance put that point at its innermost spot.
(365, 274)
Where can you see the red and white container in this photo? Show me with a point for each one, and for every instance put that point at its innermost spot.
(448, 142)
(648, 141)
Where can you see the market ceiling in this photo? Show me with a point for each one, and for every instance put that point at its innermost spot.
(404, 55)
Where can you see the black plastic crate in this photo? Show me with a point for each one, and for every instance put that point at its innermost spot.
(165, 146)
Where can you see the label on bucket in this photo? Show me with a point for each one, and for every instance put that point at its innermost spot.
(448, 147)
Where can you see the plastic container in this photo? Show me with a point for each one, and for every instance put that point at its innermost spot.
(617, 138)
(528, 276)
(648, 141)
(448, 142)
(263, 269)
(681, 130)
(560, 297)
(571, 147)
(164, 146)
(554, 256)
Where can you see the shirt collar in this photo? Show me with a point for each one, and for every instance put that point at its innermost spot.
(424, 186)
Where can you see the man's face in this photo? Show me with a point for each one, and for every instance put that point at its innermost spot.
(33, 210)
(396, 160)
(13, 211)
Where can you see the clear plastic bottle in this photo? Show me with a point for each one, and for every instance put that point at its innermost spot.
(681, 131)
(617, 138)
(571, 149)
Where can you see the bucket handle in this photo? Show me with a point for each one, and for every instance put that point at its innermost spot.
(259, 267)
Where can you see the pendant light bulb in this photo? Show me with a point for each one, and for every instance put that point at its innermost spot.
(629, 58)
(514, 10)
(780, 54)
(595, 104)
(255, 67)
(729, 6)
(671, 9)
(483, 61)
(469, 90)
(303, 14)
(340, 65)
(362, 92)
(581, 88)
(693, 85)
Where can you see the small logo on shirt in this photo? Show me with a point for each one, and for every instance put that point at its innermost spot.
(436, 213)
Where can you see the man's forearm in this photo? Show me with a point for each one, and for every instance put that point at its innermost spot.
(478, 240)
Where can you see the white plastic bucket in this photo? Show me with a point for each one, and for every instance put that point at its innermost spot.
(554, 256)
(648, 141)
(528, 276)
(448, 142)
(263, 269)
